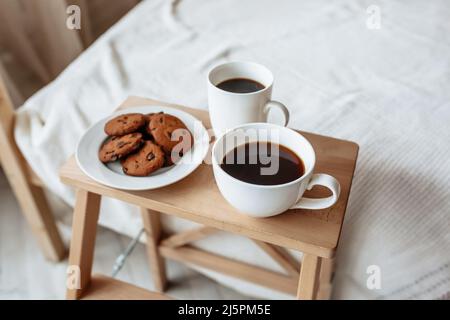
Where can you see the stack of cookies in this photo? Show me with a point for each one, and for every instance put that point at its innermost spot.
(145, 143)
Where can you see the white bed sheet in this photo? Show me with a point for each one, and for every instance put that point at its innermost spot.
(387, 89)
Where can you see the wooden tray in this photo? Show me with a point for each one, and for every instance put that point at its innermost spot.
(198, 199)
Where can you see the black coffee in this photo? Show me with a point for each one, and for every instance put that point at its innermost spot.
(247, 162)
(240, 85)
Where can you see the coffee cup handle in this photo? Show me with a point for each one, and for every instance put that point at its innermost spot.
(275, 104)
(315, 204)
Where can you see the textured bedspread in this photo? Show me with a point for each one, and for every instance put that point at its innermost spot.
(388, 89)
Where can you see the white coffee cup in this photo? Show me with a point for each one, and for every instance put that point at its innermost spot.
(229, 109)
(269, 200)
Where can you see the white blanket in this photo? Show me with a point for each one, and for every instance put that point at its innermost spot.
(387, 89)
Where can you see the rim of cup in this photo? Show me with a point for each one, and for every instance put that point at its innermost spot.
(227, 64)
(215, 162)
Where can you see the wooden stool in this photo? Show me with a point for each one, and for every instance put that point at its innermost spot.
(197, 198)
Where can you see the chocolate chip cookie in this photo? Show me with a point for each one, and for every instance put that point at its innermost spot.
(169, 131)
(124, 124)
(147, 160)
(115, 148)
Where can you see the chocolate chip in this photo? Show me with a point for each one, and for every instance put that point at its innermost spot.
(150, 156)
(121, 144)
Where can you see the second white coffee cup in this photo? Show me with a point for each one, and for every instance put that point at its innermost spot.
(229, 109)
(269, 200)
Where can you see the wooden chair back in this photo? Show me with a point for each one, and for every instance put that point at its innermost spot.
(25, 184)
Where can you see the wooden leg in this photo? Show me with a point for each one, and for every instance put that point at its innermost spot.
(47, 231)
(152, 225)
(326, 278)
(30, 197)
(37, 212)
(84, 231)
(309, 277)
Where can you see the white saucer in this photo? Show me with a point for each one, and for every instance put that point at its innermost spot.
(112, 174)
